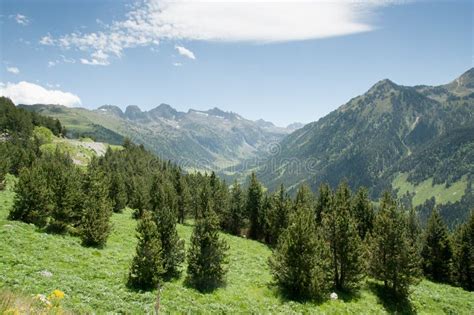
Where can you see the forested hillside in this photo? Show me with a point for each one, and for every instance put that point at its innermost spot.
(423, 131)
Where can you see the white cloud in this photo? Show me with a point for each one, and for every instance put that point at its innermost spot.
(13, 70)
(30, 93)
(98, 58)
(185, 52)
(21, 19)
(47, 40)
(258, 21)
(177, 64)
(63, 59)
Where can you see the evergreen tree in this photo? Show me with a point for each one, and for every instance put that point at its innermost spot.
(162, 203)
(278, 216)
(323, 202)
(437, 251)
(393, 258)
(33, 201)
(95, 223)
(300, 264)
(347, 250)
(236, 217)
(464, 254)
(254, 207)
(184, 198)
(363, 212)
(139, 195)
(117, 191)
(147, 265)
(207, 254)
(65, 181)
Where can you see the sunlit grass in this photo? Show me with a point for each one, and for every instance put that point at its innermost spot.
(94, 280)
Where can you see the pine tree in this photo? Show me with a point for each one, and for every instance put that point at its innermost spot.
(236, 217)
(207, 254)
(347, 252)
(184, 198)
(278, 216)
(65, 181)
(464, 254)
(117, 191)
(393, 258)
(163, 206)
(323, 202)
(300, 264)
(147, 265)
(33, 201)
(254, 208)
(95, 223)
(363, 212)
(437, 251)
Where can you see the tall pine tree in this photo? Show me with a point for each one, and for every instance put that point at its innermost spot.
(95, 223)
(147, 265)
(347, 252)
(437, 252)
(236, 217)
(300, 264)
(363, 212)
(254, 208)
(393, 258)
(278, 216)
(207, 255)
(464, 254)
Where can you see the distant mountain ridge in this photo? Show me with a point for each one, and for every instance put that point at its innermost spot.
(211, 139)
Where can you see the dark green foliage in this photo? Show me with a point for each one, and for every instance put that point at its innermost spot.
(464, 254)
(323, 201)
(278, 215)
(347, 251)
(95, 223)
(117, 192)
(393, 258)
(184, 198)
(34, 199)
(207, 254)
(363, 212)
(236, 217)
(254, 208)
(64, 179)
(437, 252)
(162, 201)
(147, 265)
(300, 264)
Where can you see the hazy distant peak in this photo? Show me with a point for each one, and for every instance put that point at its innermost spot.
(112, 109)
(384, 85)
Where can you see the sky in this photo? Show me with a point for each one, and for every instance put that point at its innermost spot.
(283, 61)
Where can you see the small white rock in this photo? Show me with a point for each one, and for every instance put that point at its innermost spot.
(46, 273)
(333, 296)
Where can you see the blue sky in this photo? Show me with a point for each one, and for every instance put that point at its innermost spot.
(283, 62)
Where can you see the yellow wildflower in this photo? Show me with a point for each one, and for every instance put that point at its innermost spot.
(57, 294)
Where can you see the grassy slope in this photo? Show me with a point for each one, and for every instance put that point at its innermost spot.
(93, 280)
(425, 190)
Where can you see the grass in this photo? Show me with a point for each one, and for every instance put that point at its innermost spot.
(94, 280)
(426, 190)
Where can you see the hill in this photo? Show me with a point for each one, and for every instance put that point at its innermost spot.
(94, 280)
(211, 139)
(375, 136)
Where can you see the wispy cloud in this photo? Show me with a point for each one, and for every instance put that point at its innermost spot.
(29, 93)
(13, 70)
(20, 19)
(177, 64)
(259, 21)
(185, 52)
(62, 59)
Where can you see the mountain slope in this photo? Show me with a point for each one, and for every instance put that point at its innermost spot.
(196, 139)
(364, 140)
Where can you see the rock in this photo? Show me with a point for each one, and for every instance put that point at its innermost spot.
(333, 296)
(46, 273)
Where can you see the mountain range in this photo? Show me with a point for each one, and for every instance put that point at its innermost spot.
(212, 139)
(415, 140)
